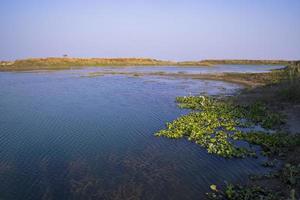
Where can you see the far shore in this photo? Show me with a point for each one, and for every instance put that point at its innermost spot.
(245, 79)
(53, 63)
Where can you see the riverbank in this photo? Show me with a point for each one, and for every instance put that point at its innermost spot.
(54, 63)
(274, 105)
(69, 96)
(245, 79)
(281, 96)
(69, 63)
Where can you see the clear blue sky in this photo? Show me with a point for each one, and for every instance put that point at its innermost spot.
(163, 29)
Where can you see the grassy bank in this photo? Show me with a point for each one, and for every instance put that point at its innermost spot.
(67, 63)
(246, 79)
(218, 123)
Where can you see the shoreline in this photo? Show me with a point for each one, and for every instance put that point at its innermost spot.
(57, 63)
(248, 79)
(265, 87)
(279, 91)
(245, 79)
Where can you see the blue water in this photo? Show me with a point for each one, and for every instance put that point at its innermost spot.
(67, 137)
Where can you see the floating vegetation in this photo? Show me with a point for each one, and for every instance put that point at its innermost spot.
(289, 175)
(237, 192)
(216, 124)
(272, 144)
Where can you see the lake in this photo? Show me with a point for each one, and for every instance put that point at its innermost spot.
(64, 136)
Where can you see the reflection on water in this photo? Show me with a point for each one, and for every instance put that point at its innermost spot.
(64, 137)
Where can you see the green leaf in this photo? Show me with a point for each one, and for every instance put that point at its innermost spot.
(213, 188)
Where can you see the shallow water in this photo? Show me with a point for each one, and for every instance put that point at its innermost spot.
(192, 70)
(67, 137)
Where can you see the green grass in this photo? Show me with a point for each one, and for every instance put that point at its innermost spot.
(291, 90)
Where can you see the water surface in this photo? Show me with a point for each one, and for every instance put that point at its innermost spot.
(67, 137)
(191, 70)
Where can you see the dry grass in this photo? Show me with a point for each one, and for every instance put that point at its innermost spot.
(248, 62)
(66, 63)
(54, 63)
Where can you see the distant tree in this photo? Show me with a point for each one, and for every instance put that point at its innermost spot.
(65, 55)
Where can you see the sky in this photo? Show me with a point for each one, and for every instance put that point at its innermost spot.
(162, 29)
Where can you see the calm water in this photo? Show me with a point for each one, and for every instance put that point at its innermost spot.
(67, 137)
(194, 70)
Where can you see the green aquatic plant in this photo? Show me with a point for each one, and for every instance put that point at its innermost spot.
(237, 192)
(211, 128)
(259, 114)
(271, 144)
(215, 124)
(290, 174)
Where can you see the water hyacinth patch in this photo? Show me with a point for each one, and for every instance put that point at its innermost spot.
(289, 175)
(238, 192)
(271, 143)
(215, 123)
